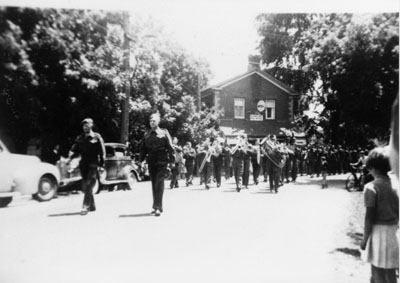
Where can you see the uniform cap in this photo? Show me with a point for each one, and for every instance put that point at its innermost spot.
(87, 121)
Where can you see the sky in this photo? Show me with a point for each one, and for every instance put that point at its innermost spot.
(222, 32)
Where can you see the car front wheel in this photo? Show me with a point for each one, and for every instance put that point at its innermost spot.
(132, 180)
(96, 188)
(47, 188)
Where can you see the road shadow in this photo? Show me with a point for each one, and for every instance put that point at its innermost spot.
(267, 191)
(229, 191)
(315, 182)
(65, 214)
(353, 252)
(136, 215)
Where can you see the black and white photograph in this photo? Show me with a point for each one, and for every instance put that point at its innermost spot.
(199, 141)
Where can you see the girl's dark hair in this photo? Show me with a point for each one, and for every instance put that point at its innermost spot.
(378, 158)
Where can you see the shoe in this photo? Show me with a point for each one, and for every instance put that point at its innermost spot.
(153, 211)
(238, 189)
(84, 211)
(256, 182)
(157, 213)
(207, 187)
(218, 185)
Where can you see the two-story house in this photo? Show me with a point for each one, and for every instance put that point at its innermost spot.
(254, 103)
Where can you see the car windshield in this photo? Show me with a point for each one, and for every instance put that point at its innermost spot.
(120, 152)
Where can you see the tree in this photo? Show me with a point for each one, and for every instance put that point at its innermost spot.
(347, 63)
(69, 65)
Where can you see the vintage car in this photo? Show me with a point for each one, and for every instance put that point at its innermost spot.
(120, 170)
(26, 175)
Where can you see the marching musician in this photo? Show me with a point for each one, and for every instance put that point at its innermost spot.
(226, 152)
(189, 154)
(274, 162)
(217, 159)
(256, 161)
(287, 153)
(175, 166)
(264, 161)
(247, 151)
(205, 168)
(237, 161)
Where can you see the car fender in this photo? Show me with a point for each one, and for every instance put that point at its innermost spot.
(26, 178)
(127, 169)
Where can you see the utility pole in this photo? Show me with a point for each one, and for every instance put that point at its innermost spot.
(125, 104)
(198, 92)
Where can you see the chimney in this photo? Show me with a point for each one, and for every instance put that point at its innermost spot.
(253, 62)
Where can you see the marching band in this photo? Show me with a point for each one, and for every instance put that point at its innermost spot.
(214, 156)
(276, 162)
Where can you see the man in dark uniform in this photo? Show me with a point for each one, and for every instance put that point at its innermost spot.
(90, 146)
(217, 160)
(247, 150)
(275, 162)
(206, 166)
(157, 147)
(256, 160)
(237, 162)
(175, 170)
(226, 152)
(189, 154)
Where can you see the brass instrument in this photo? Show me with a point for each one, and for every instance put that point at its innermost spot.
(247, 147)
(274, 153)
(238, 146)
(207, 158)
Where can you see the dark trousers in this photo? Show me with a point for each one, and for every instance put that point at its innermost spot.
(228, 169)
(89, 178)
(294, 170)
(206, 174)
(381, 275)
(174, 176)
(274, 173)
(246, 172)
(264, 164)
(256, 170)
(286, 169)
(157, 172)
(237, 166)
(189, 173)
(217, 172)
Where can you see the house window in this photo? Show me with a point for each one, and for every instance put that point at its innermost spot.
(239, 108)
(270, 109)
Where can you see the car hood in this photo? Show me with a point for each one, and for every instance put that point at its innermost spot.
(12, 157)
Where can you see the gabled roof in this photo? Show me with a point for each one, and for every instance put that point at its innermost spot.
(262, 74)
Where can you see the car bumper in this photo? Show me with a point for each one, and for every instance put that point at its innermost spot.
(9, 194)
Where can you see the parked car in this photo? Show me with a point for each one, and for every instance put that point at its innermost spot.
(120, 170)
(26, 175)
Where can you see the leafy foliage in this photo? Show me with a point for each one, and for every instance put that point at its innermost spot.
(60, 66)
(347, 63)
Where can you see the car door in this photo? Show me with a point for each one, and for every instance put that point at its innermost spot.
(6, 169)
(124, 160)
(111, 163)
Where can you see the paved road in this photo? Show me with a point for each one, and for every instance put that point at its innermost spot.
(301, 234)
